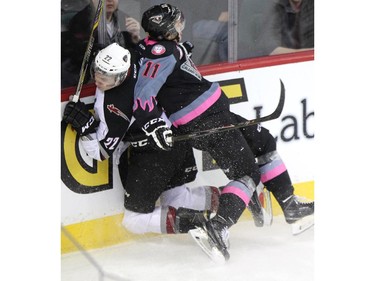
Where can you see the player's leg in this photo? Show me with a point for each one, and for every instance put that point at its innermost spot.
(148, 174)
(235, 158)
(179, 194)
(163, 219)
(274, 174)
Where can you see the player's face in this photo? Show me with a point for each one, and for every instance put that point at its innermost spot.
(104, 82)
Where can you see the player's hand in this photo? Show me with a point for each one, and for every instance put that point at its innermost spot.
(159, 133)
(81, 119)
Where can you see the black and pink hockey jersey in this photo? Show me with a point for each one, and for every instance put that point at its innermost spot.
(169, 77)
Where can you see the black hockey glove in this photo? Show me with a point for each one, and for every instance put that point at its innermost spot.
(81, 119)
(159, 133)
(189, 47)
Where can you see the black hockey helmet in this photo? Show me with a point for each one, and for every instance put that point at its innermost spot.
(163, 21)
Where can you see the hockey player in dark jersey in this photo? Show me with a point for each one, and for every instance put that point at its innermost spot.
(169, 78)
(146, 174)
(115, 74)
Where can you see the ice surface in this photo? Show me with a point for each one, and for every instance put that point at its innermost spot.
(257, 254)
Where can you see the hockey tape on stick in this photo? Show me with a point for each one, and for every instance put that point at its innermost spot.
(90, 44)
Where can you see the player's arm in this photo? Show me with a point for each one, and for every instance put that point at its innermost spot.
(101, 137)
(152, 76)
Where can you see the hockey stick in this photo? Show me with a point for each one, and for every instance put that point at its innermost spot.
(90, 44)
(272, 116)
(203, 133)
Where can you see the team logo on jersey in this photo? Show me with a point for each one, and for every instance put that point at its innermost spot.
(190, 68)
(117, 111)
(158, 50)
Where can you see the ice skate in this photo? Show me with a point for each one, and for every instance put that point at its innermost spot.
(299, 214)
(213, 239)
(187, 219)
(255, 208)
(260, 207)
(294, 209)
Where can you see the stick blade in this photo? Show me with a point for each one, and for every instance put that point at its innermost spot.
(280, 106)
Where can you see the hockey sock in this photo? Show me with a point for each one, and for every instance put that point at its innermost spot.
(281, 187)
(275, 176)
(231, 208)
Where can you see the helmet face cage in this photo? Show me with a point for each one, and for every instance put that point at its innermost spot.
(163, 21)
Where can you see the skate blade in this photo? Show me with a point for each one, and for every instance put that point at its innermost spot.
(267, 208)
(201, 238)
(302, 225)
(267, 218)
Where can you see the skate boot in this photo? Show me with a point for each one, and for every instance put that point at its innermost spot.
(187, 219)
(213, 239)
(217, 231)
(295, 210)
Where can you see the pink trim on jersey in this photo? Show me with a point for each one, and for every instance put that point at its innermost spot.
(273, 173)
(148, 103)
(199, 110)
(149, 41)
(238, 192)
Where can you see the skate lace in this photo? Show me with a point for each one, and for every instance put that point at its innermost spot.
(302, 200)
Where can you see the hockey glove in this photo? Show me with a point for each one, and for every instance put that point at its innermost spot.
(81, 119)
(159, 133)
(141, 143)
(189, 47)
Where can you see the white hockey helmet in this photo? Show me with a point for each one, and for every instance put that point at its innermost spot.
(113, 61)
